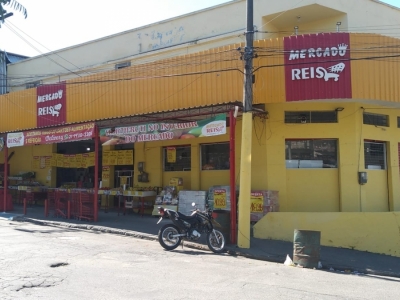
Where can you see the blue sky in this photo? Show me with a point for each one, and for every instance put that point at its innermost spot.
(54, 24)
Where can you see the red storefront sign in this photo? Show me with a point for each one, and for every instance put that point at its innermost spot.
(70, 133)
(317, 66)
(51, 104)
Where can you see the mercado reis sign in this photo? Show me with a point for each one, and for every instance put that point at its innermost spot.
(317, 66)
(70, 133)
(51, 104)
(164, 131)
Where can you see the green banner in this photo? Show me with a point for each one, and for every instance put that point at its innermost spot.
(160, 131)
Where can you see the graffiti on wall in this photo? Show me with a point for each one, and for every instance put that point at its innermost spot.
(157, 39)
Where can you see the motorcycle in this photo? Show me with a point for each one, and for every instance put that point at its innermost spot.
(190, 228)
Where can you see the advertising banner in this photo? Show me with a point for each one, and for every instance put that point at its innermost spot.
(164, 131)
(70, 133)
(317, 66)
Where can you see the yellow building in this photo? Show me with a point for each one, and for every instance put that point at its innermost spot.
(325, 134)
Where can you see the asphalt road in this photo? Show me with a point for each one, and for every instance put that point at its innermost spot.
(43, 262)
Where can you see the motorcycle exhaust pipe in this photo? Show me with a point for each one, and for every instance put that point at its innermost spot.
(176, 235)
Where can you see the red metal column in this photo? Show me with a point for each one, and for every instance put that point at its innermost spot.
(96, 173)
(5, 183)
(232, 124)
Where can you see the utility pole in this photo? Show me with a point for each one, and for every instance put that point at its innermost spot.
(245, 160)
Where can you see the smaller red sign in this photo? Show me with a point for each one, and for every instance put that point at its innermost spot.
(51, 104)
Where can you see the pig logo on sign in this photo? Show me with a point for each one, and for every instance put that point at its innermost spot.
(56, 110)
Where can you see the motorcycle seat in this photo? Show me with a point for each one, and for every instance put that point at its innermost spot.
(185, 217)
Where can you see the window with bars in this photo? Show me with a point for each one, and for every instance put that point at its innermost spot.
(375, 155)
(311, 153)
(376, 119)
(177, 158)
(310, 117)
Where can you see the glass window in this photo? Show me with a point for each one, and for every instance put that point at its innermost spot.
(177, 158)
(318, 153)
(375, 155)
(215, 156)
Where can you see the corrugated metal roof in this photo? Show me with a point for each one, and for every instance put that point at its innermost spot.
(12, 57)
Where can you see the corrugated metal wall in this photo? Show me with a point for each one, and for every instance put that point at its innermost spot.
(269, 86)
(205, 78)
(375, 67)
(18, 110)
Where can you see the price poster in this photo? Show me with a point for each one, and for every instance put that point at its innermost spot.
(85, 159)
(78, 159)
(171, 154)
(106, 158)
(256, 201)
(105, 176)
(220, 198)
(60, 160)
(72, 161)
(128, 157)
(113, 158)
(120, 157)
(43, 162)
(36, 162)
(66, 161)
(91, 159)
(48, 161)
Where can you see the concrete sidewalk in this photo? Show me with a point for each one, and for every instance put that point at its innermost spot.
(131, 224)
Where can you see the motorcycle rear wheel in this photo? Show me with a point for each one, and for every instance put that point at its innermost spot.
(216, 241)
(165, 237)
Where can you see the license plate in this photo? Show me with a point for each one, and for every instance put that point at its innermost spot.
(159, 220)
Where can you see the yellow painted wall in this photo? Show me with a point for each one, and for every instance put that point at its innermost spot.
(21, 161)
(313, 190)
(331, 190)
(376, 192)
(373, 232)
(151, 154)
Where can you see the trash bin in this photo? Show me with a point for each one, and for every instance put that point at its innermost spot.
(223, 217)
(306, 248)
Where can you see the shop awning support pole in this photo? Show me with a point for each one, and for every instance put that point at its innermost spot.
(96, 173)
(5, 177)
(232, 173)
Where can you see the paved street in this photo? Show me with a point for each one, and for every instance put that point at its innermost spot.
(44, 262)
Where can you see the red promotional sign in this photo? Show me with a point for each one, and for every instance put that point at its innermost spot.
(51, 104)
(317, 66)
(70, 133)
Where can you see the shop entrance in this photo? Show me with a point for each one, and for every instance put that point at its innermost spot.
(76, 177)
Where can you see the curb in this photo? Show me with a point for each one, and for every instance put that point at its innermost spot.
(135, 234)
(230, 249)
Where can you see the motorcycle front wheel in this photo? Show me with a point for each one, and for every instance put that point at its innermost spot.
(166, 239)
(216, 241)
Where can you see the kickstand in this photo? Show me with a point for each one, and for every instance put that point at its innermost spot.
(182, 244)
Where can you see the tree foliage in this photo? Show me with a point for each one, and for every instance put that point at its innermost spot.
(15, 5)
